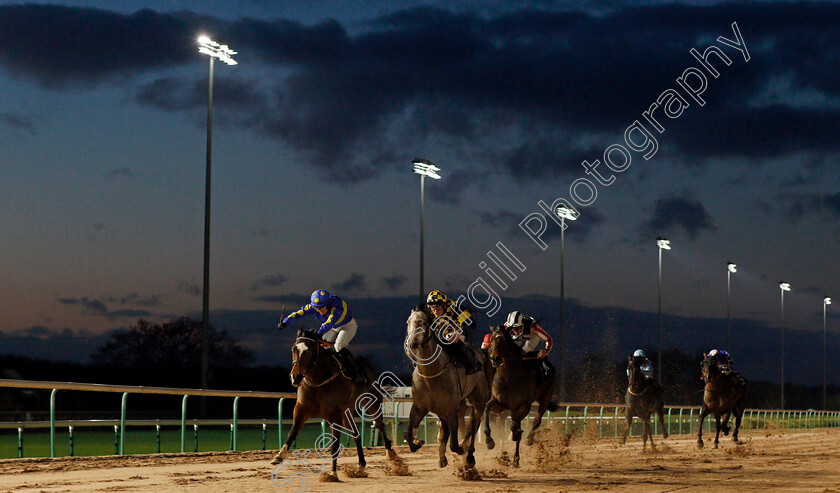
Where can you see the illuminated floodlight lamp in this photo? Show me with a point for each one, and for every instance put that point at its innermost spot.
(784, 286)
(663, 243)
(426, 168)
(827, 301)
(209, 47)
(566, 213)
(731, 267)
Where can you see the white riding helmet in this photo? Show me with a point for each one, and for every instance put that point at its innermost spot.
(713, 352)
(514, 319)
(639, 354)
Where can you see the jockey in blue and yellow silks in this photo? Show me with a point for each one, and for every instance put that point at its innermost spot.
(449, 326)
(337, 326)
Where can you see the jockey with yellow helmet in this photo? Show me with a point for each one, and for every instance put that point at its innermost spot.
(449, 326)
(337, 325)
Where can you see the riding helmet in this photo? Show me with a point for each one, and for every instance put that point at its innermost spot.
(319, 298)
(437, 297)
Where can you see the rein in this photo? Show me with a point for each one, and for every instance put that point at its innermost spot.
(318, 344)
(438, 373)
(640, 393)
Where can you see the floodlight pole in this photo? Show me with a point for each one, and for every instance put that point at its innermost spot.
(423, 168)
(222, 52)
(826, 302)
(730, 268)
(663, 244)
(784, 287)
(564, 213)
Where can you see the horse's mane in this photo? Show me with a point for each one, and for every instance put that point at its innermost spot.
(309, 334)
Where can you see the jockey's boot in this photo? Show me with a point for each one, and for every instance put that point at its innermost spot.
(355, 373)
(471, 363)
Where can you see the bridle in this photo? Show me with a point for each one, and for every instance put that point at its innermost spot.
(633, 379)
(424, 339)
(318, 343)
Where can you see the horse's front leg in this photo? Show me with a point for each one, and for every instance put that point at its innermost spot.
(453, 432)
(444, 436)
(717, 430)
(380, 425)
(628, 420)
(646, 433)
(414, 416)
(487, 435)
(298, 419)
(516, 418)
(704, 411)
(738, 415)
(660, 414)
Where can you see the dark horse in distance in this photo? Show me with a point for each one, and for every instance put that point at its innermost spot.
(643, 398)
(517, 384)
(323, 390)
(724, 395)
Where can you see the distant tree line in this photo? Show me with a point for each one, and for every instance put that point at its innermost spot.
(169, 355)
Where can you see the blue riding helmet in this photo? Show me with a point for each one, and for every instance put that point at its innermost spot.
(319, 298)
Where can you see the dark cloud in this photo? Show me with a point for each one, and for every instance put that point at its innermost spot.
(679, 213)
(522, 89)
(802, 204)
(98, 308)
(353, 285)
(294, 300)
(20, 122)
(450, 190)
(120, 173)
(394, 282)
(190, 288)
(89, 307)
(63, 46)
(269, 282)
(579, 230)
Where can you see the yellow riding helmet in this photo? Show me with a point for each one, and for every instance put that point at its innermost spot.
(437, 297)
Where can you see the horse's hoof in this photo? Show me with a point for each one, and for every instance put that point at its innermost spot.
(716, 445)
(276, 460)
(392, 454)
(529, 441)
(470, 460)
(665, 434)
(458, 450)
(491, 444)
(515, 462)
(699, 443)
(443, 463)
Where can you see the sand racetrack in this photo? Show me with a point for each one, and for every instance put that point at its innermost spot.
(794, 461)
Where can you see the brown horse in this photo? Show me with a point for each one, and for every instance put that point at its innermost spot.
(723, 395)
(515, 385)
(439, 387)
(643, 397)
(323, 390)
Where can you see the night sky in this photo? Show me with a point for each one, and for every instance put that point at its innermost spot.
(102, 158)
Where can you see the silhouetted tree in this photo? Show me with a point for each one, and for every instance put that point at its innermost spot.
(167, 354)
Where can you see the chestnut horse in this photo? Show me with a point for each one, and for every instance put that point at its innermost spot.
(323, 390)
(724, 395)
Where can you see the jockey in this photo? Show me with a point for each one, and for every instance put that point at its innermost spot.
(527, 334)
(644, 363)
(723, 360)
(449, 327)
(337, 325)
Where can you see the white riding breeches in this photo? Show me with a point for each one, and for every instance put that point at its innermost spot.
(341, 338)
